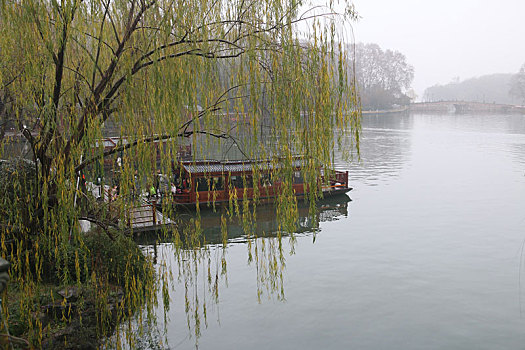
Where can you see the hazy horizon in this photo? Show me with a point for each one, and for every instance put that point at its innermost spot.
(446, 40)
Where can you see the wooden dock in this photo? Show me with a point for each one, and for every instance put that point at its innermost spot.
(146, 217)
(142, 217)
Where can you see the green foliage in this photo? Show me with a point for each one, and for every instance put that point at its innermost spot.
(264, 76)
(117, 259)
(17, 184)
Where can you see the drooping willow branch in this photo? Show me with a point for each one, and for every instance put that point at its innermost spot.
(233, 50)
(183, 131)
(151, 139)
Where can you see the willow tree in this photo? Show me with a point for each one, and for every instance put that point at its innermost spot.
(251, 73)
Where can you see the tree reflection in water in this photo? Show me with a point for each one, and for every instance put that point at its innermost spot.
(195, 258)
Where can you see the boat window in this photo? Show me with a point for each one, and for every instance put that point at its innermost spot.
(184, 184)
(248, 181)
(215, 183)
(240, 182)
(236, 181)
(297, 179)
(202, 184)
(266, 180)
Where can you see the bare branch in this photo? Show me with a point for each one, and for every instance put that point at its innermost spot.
(96, 38)
(115, 32)
(59, 71)
(97, 56)
(102, 224)
(107, 76)
(114, 150)
(9, 82)
(47, 44)
(77, 72)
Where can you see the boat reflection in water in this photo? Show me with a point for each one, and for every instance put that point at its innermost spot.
(266, 225)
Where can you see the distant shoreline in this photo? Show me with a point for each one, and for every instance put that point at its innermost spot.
(455, 107)
(461, 107)
(385, 111)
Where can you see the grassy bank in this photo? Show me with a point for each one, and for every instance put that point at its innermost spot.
(115, 280)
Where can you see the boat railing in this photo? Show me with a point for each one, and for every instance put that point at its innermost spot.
(182, 197)
(341, 177)
(338, 179)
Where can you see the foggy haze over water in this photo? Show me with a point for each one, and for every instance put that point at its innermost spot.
(446, 39)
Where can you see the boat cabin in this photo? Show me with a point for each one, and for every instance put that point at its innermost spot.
(215, 181)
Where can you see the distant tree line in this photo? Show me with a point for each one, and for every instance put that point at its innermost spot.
(517, 85)
(383, 77)
(494, 88)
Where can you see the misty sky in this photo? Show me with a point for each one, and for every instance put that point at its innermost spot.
(447, 38)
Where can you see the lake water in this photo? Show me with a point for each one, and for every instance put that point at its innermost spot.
(427, 255)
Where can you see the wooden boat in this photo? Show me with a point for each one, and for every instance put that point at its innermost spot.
(206, 182)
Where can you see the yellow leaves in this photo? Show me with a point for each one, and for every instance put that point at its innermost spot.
(224, 231)
(239, 69)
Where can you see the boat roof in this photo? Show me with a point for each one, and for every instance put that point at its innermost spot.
(233, 166)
